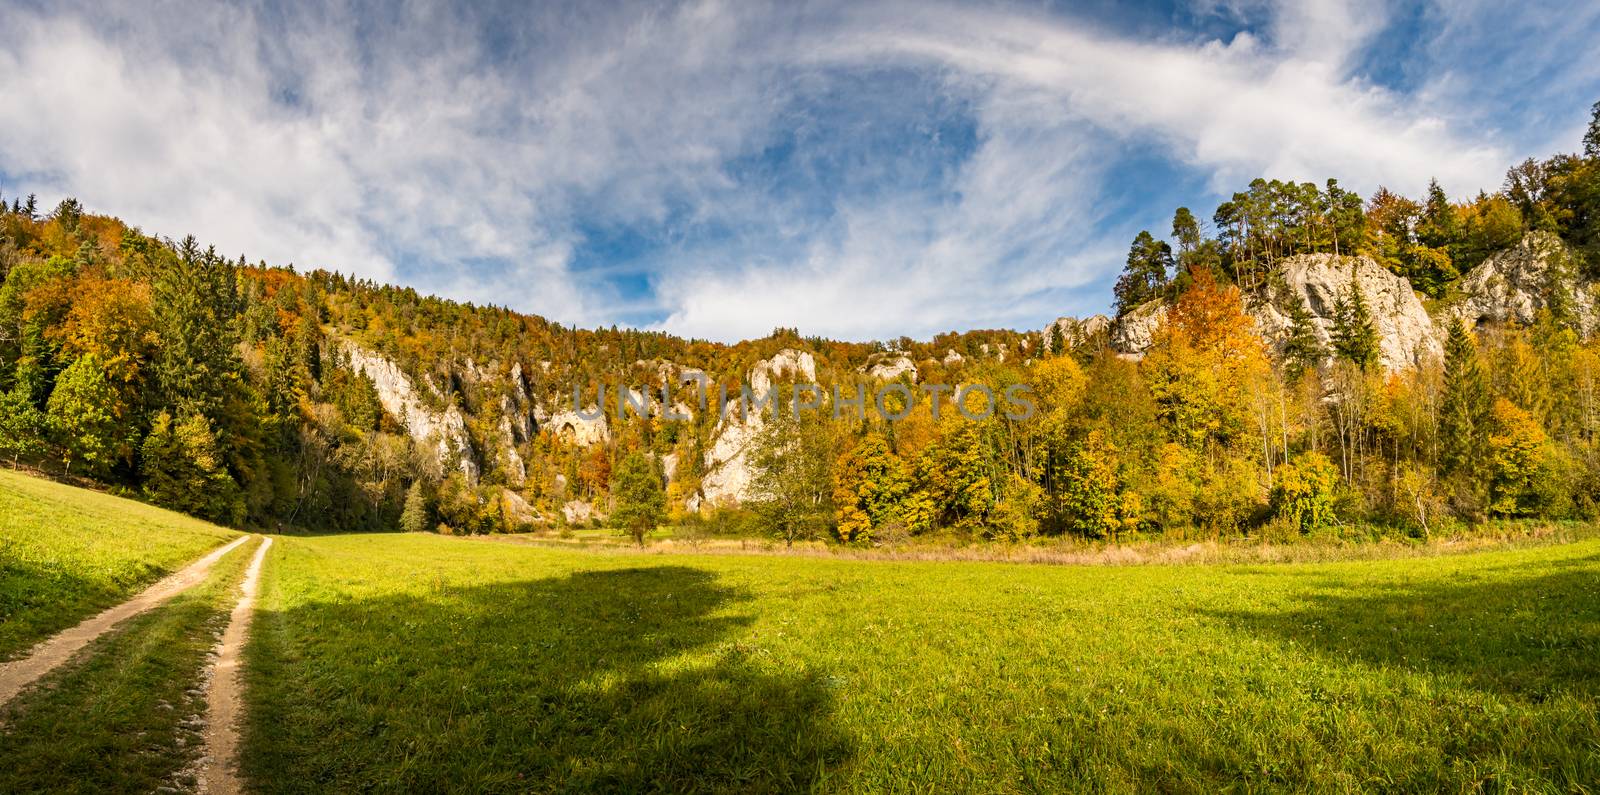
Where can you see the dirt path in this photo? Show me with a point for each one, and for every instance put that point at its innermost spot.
(45, 657)
(219, 769)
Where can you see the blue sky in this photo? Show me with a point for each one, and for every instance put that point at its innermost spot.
(717, 169)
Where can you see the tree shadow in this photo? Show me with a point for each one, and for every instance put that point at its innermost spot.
(617, 680)
(1527, 637)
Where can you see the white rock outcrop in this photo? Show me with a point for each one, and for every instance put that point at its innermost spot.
(1407, 336)
(443, 431)
(888, 367)
(727, 470)
(1073, 331)
(1515, 284)
(1133, 333)
(584, 430)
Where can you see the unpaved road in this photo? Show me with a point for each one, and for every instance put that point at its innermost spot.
(45, 657)
(219, 771)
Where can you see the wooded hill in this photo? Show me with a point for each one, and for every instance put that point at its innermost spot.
(1270, 375)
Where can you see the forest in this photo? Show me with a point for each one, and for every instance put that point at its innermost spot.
(225, 389)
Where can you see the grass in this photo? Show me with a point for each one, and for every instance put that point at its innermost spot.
(123, 716)
(66, 553)
(417, 663)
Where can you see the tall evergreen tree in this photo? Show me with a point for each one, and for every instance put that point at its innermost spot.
(1146, 275)
(1354, 338)
(1465, 409)
(1591, 139)
(195, 305)
(1303, 350)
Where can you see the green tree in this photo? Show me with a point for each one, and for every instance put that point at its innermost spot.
(870, 483)
(641, 502)
(1302, 350)
(195, 306)
(22, 425)
(1354, 338)
(181, 470)
(1591, 138)
(415, 518)
(1464, 410)
(792, 483)
(81, 417)
(1186, 230)
(1147, 273)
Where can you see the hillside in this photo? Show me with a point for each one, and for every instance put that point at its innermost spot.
(1318, 362)
(67, 553)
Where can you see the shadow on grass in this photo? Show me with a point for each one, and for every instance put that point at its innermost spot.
(572, 683)
(1526, 637)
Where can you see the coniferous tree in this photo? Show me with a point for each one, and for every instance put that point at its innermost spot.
(1303, 350)
(1465, 408)
(1146, 275)
(1591, 138)
(1354, 338)
(195, 306)
(414, 517)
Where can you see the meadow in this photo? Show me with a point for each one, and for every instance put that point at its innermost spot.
(66, 553)
(421, 663)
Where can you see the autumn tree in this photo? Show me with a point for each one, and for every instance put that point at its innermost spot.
(870, 484)
(1303, 491)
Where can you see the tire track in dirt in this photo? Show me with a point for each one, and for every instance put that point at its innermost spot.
(15, 676)
(219, 768)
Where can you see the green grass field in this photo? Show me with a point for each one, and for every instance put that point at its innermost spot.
(67, 553)
(419, 663)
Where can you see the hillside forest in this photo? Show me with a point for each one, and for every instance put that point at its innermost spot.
(256, 394)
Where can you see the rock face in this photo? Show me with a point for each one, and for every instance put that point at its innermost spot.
(727, 468)
(1515, 284)
(1134, 333)
(1074, 331)
(587, 429)
(889, 367)
(1407, 336)
(443, 431)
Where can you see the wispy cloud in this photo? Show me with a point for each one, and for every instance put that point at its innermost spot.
(858, 170)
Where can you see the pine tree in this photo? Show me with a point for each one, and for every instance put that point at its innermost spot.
(1303, 350)
(1464, 411)
(1354, 338)
(1147, 273)
(195, 304)
(1591, 138)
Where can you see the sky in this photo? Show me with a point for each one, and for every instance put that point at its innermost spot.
(720, 168)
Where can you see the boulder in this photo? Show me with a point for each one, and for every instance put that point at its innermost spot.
(584, 430)
(1074, 331)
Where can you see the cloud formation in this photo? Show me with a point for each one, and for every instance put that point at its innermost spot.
(721, 168)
